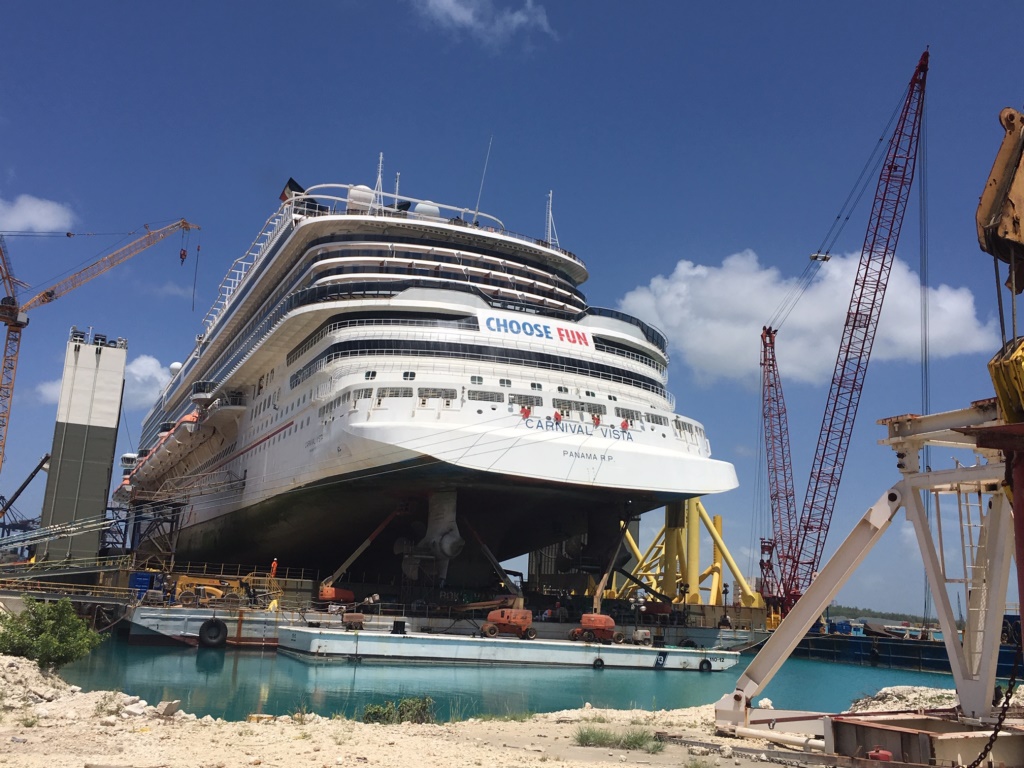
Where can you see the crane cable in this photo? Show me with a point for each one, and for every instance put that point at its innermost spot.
(863, 182)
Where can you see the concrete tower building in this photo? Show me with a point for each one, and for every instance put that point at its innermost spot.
(84, 439)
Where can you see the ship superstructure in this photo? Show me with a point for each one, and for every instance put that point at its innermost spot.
(378, 367)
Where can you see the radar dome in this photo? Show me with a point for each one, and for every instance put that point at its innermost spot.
(427, 208)
(175, 367)
(359, 198)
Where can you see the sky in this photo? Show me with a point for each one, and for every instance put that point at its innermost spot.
(697, 154)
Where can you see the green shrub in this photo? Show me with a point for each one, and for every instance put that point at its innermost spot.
(380, 713)
(416, 710)
(406, 711)
(635, 738)
(50, 634)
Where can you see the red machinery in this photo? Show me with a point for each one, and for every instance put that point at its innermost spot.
(597, 627)
(509, 621)
(799, 541)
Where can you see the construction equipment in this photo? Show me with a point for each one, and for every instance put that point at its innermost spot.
(596, 627)
(15, 317)
(509, 621)
(225, 591)
(7, 503)
(799, 541)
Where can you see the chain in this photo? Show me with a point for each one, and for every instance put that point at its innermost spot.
(1006, 702)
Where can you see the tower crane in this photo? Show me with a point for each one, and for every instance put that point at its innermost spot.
(800, 540)
(15, 315)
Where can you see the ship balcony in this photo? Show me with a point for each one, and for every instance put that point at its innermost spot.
(226, 408)
(202, 392)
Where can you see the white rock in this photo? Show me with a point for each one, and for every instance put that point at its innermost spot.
(725, 751)
(75, 689)
(42, 712)
(108, 720)
(128, 700)
(168, 708)
(207, 719)
(284, 719)
(699, 751)
(135, 710)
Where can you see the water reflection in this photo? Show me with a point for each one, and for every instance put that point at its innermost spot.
(232, 684)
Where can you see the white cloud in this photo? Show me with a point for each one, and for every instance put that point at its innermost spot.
(174, 290)
(48, 391)
(713, 317)
(484, 20)
(33, 214)
(144, 379)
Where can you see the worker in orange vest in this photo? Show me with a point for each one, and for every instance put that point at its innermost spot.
(273, 568)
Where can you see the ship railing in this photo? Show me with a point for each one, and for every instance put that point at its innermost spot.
(311, 369)
(268, 237)
(316, 197)
(457, 325)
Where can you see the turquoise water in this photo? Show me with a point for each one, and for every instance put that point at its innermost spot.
(231, 684)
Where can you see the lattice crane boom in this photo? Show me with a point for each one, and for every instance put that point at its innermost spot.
(15, 317)
(105, 264)
(780, 468)
(862, 317)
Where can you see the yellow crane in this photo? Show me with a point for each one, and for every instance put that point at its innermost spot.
(15, 317)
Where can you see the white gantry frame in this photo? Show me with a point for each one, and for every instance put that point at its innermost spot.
(986, 545)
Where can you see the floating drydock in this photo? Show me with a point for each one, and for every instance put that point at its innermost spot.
(315, 644)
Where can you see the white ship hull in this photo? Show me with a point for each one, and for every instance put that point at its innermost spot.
(329, 395)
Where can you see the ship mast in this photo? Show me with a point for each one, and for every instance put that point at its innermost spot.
(550, 235)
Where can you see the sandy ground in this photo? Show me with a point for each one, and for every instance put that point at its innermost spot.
(45, 723)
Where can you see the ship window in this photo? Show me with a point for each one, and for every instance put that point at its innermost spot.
(653, 418)
(588, 393)
(476, 379)
(488, 397)
(536, 385)
(578, 405)
(359, 394)
(429, 392)
(530, 401)
(394, 392)
(563, 390)
(408, 375)
(370, 375)
(505, 382)
(628, 413)
(613, 398)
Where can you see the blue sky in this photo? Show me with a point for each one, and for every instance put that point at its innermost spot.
(698, 153)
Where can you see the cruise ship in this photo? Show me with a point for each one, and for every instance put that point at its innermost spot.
(414, 390)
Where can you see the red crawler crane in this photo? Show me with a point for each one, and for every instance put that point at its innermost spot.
(799, 542)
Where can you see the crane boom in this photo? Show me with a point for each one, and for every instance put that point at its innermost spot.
(15, 318)
(108, 262)
(862, 317)
(780, 467)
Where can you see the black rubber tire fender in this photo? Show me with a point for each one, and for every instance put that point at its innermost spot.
(213, 633)
(598, 663)
(704, 666)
